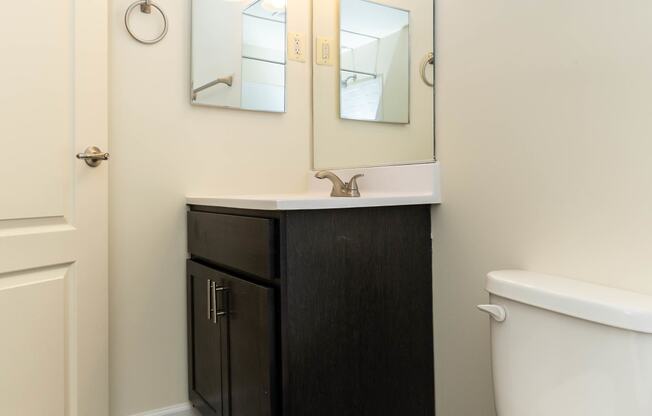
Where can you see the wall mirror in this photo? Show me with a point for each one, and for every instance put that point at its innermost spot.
(239, 54)
(374, 62)
(373, 99)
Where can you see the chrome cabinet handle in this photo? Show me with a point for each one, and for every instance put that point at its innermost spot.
(93, 156)
(225, 292)
(209, 305)
(211, 300)
(214, 302)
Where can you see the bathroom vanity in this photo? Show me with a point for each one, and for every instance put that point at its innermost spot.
(323, 311)
(307, 304)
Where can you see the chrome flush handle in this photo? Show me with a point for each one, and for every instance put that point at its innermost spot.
(497, 312)
(93, 156)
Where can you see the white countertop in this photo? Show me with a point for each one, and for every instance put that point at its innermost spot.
(291, 202)
(382, 186)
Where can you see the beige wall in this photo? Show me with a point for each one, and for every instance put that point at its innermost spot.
(544, 130)
(162, 149)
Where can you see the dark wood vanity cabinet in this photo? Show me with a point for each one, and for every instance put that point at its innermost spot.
(231, 344)
(310, 313)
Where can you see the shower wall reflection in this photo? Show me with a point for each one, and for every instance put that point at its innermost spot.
(374, 62)
(238, 54)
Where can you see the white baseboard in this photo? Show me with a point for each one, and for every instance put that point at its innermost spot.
(167, 411)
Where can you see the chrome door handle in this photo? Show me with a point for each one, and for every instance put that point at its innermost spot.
(93, 156)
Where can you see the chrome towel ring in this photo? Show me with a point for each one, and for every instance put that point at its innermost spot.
(429, 60)
(146, 7)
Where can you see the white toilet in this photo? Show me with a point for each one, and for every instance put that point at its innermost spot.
(562, 347)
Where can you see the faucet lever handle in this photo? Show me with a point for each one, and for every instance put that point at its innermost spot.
(352, 186)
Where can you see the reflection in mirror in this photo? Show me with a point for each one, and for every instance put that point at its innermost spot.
(238, 54)
(374, 62)
(363, 86)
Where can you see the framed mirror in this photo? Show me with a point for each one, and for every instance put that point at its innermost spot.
(373, 95)
(374, 62)
(239, 54)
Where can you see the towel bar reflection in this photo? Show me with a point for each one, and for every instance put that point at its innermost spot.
(226, 81)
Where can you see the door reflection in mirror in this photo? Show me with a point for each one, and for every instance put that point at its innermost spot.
(374, 62)
(239, 54)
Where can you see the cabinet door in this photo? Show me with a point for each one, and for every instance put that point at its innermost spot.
(359, 312)
(205, 350)
(252, 350)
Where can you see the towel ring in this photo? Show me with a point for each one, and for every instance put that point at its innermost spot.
(146, 7)
(430, 60)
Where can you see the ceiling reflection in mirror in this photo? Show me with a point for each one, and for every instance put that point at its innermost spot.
(374, 62)
(239, 54)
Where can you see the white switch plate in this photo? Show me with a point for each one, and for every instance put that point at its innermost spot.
(297, 47)
(324, 53)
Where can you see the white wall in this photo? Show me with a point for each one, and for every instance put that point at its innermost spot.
(162, 149)
(544, 128)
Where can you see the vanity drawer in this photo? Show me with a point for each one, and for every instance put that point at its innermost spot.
(246, 244)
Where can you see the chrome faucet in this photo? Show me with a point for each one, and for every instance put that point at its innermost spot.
(341, 189)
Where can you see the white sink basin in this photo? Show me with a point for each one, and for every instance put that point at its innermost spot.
(384, 186)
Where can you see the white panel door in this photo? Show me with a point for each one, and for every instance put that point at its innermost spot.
(53, 209)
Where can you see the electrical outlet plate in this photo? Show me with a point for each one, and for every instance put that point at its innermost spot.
(324, 52)
(297, 47)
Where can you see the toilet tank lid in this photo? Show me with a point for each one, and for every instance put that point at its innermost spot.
(591, 302)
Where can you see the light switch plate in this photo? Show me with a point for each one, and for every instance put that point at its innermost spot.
(324, 52)
(297, 47)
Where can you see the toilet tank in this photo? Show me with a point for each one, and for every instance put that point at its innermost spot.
(569, 348)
